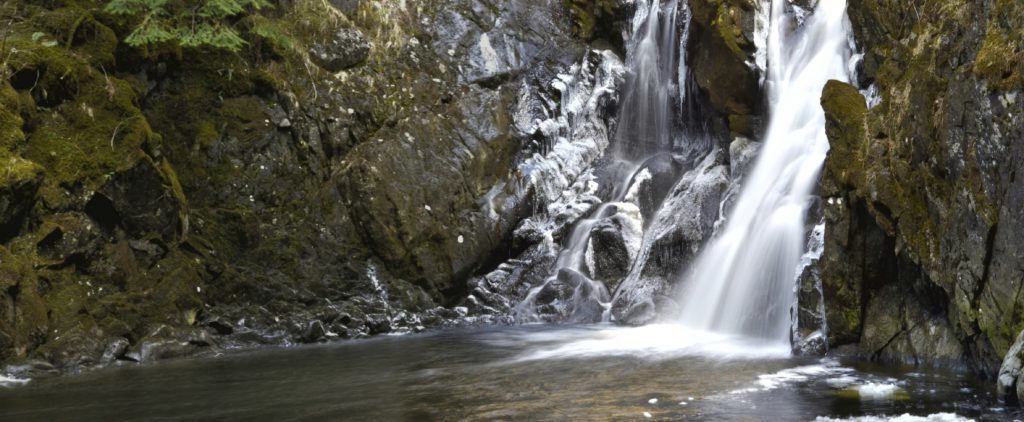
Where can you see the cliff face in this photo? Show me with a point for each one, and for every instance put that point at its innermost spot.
(340, 181)
(923, 256)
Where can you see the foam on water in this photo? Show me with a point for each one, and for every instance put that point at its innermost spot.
(11, 381)
(767, 382)
(878, 391)
(659, 341)
(906, 417)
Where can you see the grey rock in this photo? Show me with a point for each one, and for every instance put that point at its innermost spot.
(346, 49)
(653, 181)
(115, 350)
(611, 254)
(679, 230)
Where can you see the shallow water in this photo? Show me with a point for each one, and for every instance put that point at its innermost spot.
(522, 373)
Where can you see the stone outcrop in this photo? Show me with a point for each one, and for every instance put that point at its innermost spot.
(923, 259)
(157, 203)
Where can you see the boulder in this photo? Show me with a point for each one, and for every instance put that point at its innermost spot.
(346, 49)
(614, 243)
(680, 228)
(652, 182)
(1008, 387)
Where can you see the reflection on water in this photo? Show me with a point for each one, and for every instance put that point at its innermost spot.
(523, 373)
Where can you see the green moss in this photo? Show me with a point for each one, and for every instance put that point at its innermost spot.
(16, 170)
(999, 60)
(10, 122)
(845, 111)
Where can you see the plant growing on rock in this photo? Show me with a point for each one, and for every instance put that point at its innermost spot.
(192, 23)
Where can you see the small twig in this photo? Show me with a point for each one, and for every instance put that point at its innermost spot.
(118, 127)
(312, 82)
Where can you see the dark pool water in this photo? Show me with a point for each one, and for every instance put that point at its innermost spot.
(513, 373)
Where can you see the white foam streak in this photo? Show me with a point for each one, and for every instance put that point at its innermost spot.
(10, 381)
(659, 341)
(906, 417)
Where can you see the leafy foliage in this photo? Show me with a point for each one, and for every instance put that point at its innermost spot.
(192, 23)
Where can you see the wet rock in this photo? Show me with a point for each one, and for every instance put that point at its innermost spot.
(742, 152)
(588, 302)
(640, 313)
(614, 243)
(943, 192)
(378, 324)
(114, 351)
(1008, 387)
(680, 228)
(811, 344)
(166, 342)
(653, 182)
(504, 288)
(75, 349)
(346, 49)
(720, 57)
(313, 333)
(220, 326)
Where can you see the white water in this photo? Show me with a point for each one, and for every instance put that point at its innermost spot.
(646, 111)
(743, 281)
(645, 122)
(652, 342)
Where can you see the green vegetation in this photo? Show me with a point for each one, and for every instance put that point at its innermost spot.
(191, 24)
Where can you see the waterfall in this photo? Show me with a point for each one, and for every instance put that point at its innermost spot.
(743, 281)
(655, 94)
(645, 115)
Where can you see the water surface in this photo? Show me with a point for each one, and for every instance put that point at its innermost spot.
(520, 373)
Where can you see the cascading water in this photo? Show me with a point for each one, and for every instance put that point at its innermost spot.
(742, 283)
(645, 116)
(646, 119)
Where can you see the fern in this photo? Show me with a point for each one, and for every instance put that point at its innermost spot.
(194, 23)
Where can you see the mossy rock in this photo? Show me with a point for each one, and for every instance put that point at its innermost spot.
(19, 184)
(845, 110)
(10, 119)
(1001, 57)
(722, 30)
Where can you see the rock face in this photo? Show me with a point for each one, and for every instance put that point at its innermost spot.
(179, 202)
(721, 50)
(924, 209)
(678, 231)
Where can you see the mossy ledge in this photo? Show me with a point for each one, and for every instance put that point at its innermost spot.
(923, 184)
